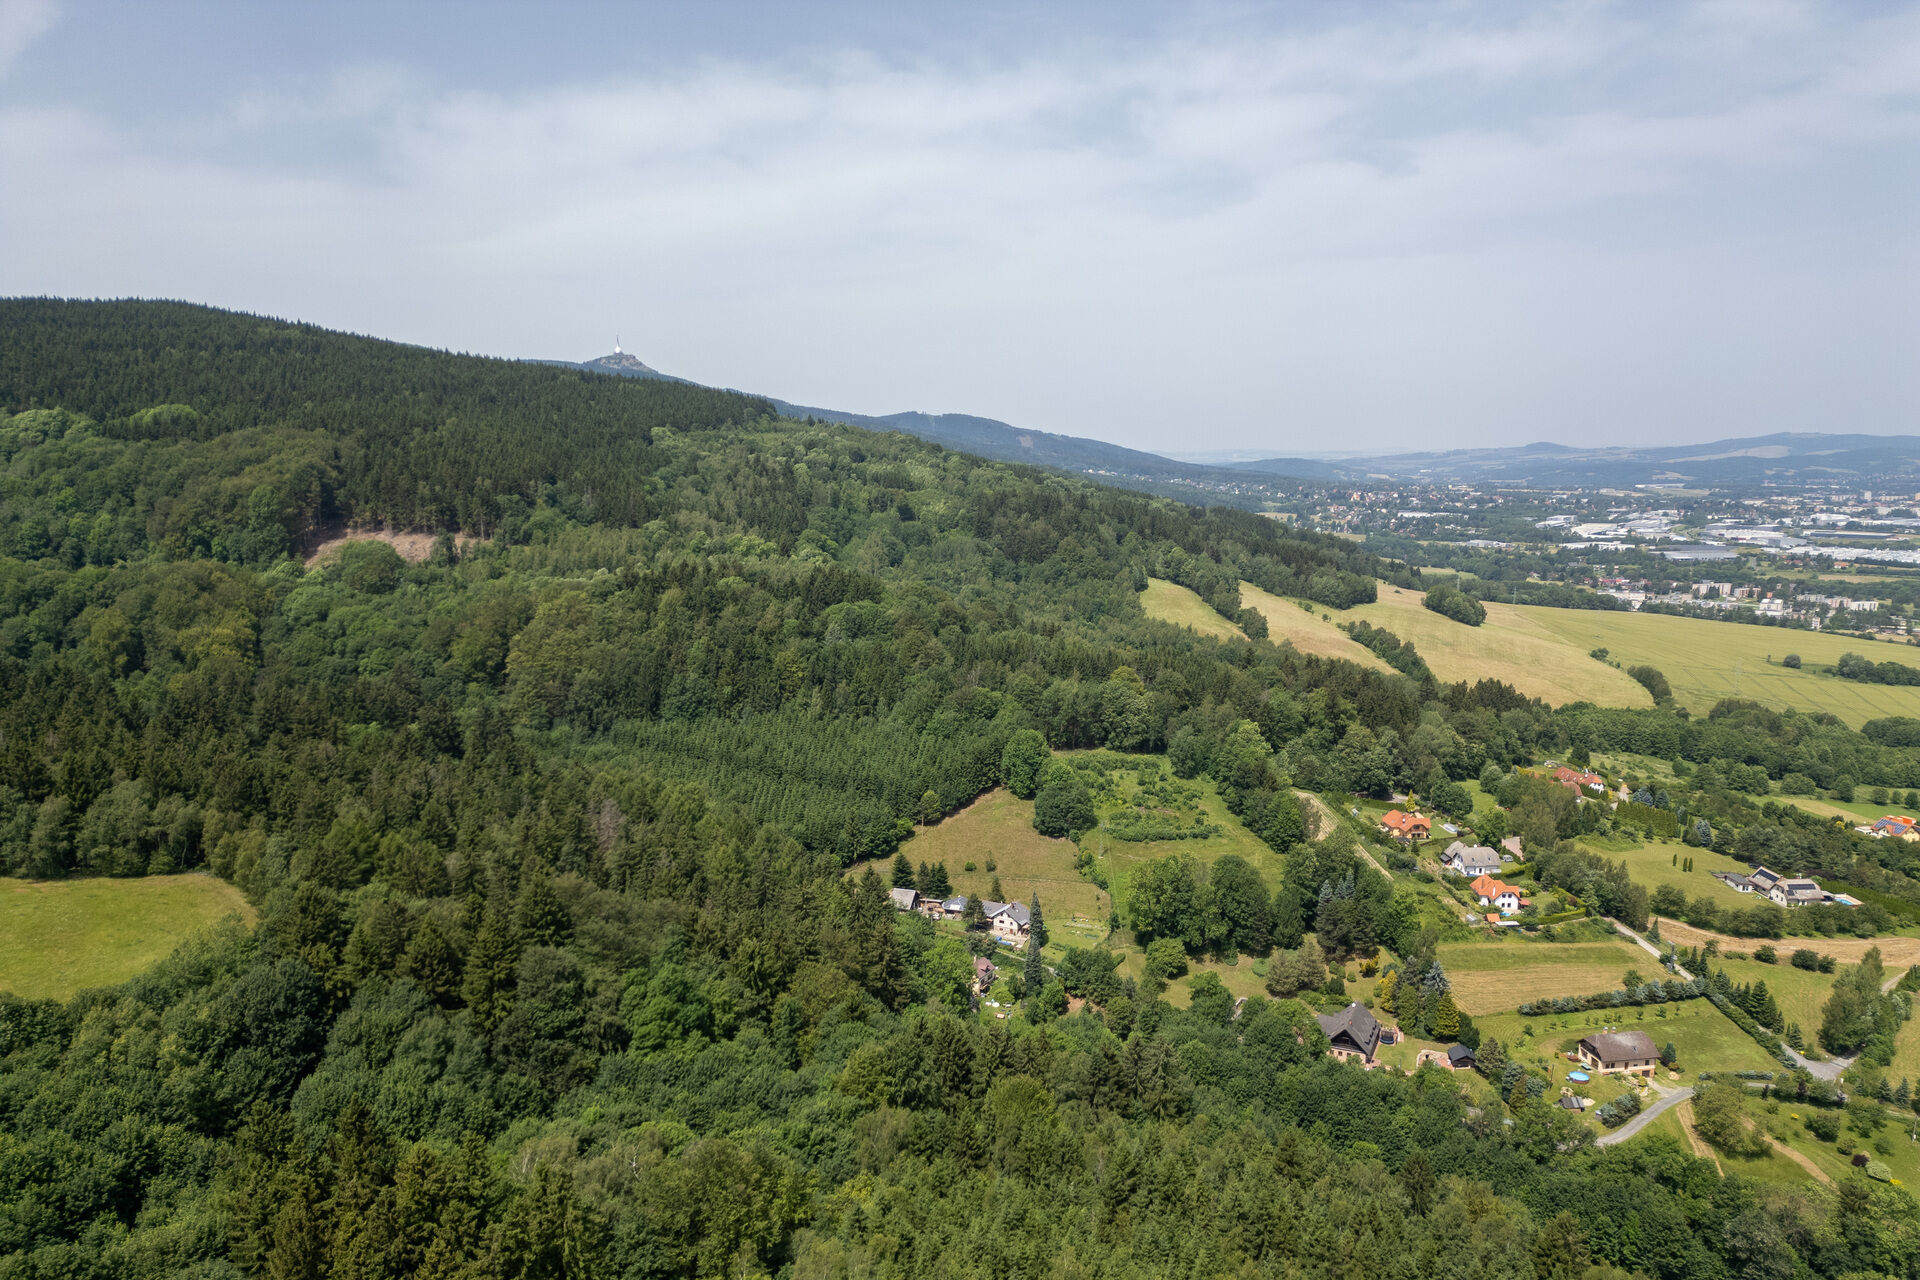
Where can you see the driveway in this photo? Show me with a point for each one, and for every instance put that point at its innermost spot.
(1646, 946)
(1672, 1098)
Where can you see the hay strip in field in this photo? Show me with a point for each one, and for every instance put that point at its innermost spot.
(1492, 977)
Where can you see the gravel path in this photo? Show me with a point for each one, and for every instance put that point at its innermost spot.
(1639, 1122)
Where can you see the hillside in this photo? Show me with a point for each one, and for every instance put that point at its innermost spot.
(557, 966)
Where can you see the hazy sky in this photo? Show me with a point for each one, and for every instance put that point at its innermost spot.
(1284, 228)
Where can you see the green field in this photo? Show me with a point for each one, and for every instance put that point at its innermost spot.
(1502, 973)
(1705, 1038)
(1706, 661)
(1170, 602)
(999, 826)
(1305, 629)
(1800, 994)
(62, 936)
(1117, 858)
(1512, 645)
(1651, 864)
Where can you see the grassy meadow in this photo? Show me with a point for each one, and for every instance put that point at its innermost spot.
(1651, 863)
(58, 937)
(1494, 975)
(1170, 602)
(1306, 629)
(1800, 994)
(1118, 858)
(1706, 661)
(1512, 645)
(1704, 1038)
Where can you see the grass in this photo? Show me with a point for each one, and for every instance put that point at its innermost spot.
(1651, 865)
(1801, 995)
(1306, 629)
(1513, 645)
(1118, 858)
(1706, 661)
(1897, 951)
(999, 826)
(58, 937)
(1504, 972)
(1170, 602)
(1704, 1038)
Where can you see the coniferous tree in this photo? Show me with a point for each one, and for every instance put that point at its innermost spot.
(1036, 927)
(902, 872)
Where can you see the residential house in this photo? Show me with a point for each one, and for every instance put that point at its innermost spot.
(1797, 893)
(1619, 1053)
(1353, 1033)
(1459, 1056)
(1895, 825)
(1762, 881)
(983, 975)
(955, 907)
(1009, 921)
(1406, 826)
(1579, 779)
(1470, 859)
(904, 899)
(1492, 893)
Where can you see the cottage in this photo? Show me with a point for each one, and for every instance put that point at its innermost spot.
(1406, 826)
(984, 975)
(1459, 1056)
(1353, 1033)
(955, 907)
(904, 899)
(1493, 893)
(1619, 1053)
(1009, 920)
(1470, 859)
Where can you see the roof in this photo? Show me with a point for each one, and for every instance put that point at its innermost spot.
(1763, 877)
(1488, 887)
(1459, 1053)
(1014, 911)
(1398, 821)
(1356, 1023)
(982, 965)
(904, 898)
(1621, 1046)
(956, 903)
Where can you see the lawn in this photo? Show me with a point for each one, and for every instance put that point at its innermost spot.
(1652, 865)
(1512, 645)
(1502, 973)
(999, 826)
(1801, 995)
(58, 937)
(1704, 1038)
(1170, 602)
(1306, 629)
(1706, 661)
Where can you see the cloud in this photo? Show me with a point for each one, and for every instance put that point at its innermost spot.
(21, 23)
(1572, 219)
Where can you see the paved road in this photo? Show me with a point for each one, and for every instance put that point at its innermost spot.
(1639, 1122)
(1828, 1070)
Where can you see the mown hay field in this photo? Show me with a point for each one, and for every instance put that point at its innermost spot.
(58, 937)
(1170, 602)
(1306, 629)
(1498, 975)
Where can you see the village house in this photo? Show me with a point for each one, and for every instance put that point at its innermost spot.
(1576, 779)
(1492, 893)
(904, 899)
(1619, 1053)
(1009, 920)
(1352, 1033)
(1898, 826)
(1406, 826)
(984, 975)
(1470, 860)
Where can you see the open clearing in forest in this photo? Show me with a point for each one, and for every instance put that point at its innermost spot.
(999, 826)
(58, 937)
(1502, 974)
(1167, 601)
(1512, 646)
(1306, 629)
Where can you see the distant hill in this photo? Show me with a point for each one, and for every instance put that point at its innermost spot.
(1802, 457)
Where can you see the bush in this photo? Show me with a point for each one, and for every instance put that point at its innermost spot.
(1450, 602)
(1805, 959)
(1824, 1125)
(1654, 683)
(1767, 955)
(1619, 1111)
(1791, 660)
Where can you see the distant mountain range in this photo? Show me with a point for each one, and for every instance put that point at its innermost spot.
(1788, 457)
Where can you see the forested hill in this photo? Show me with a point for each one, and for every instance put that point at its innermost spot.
(558, 970)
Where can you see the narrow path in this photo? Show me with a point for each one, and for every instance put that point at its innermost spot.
(1645, 1118)
(1701, 1148)
(1805, 1162)
(1646, 946)
(1327, 820)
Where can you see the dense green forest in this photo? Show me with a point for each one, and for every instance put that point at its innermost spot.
(559, 971)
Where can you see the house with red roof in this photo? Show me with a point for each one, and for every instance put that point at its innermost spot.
(1406, 826)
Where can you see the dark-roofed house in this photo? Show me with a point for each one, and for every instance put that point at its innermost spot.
(1620, 1053)
(1010, 920)
(1458, 1056)
(1354, 1033)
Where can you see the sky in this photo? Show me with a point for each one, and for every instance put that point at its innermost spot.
(1260, 229)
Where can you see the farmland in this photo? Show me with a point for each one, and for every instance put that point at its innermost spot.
(1170, 602)
(1706, 661)
(1513, 645)
(58, 937)
(1492, 976)
(1305, 629)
